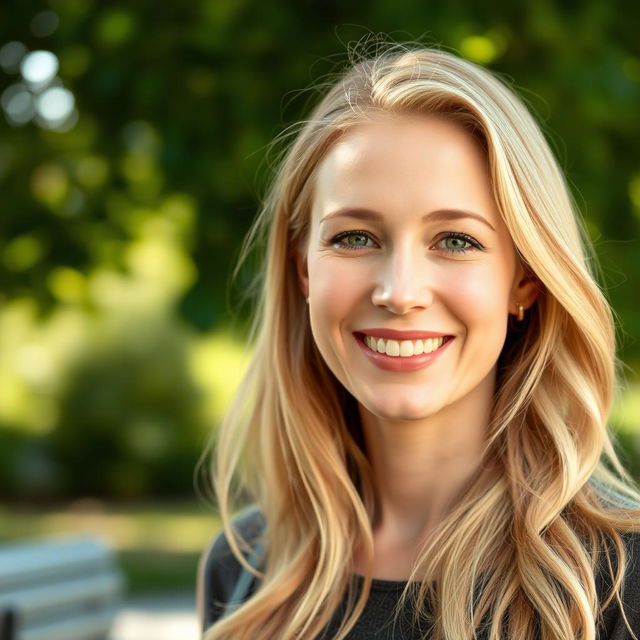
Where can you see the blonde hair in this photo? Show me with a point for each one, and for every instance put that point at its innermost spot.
(520, 552)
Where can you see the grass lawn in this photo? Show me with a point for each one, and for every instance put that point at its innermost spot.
(158, 543)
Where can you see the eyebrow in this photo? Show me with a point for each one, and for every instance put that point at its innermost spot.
(439, 214)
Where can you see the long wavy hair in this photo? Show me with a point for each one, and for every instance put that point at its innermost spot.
(521, 551)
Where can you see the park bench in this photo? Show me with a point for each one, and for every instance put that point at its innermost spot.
(58, 588)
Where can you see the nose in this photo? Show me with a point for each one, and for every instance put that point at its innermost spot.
(402, 283)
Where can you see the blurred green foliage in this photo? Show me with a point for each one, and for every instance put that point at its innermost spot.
(118, 235)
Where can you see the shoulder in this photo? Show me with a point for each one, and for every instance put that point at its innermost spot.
(219, 570)
(250, 526)
(614, 627)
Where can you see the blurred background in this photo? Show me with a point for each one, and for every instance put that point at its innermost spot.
(133, 156)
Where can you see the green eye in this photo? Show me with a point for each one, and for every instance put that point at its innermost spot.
(455, 244)
(459, 243)
(352, 240)
(357, 240)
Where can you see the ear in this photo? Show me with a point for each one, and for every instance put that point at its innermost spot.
(300, 261)
(526, 288)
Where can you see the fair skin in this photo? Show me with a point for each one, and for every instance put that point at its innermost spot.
(397, 269)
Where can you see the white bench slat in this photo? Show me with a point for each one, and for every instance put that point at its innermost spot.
(60, 587)
(92, 591)
(23, 562)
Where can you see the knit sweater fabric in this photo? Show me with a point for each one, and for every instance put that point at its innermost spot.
(222, 573)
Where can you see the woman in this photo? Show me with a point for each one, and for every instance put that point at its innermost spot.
(423, 426)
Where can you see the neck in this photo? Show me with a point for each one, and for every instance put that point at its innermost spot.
(422, 467)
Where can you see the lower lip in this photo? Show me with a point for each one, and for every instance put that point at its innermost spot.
(397, 363)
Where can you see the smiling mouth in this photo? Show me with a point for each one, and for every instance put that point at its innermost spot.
(402, 348)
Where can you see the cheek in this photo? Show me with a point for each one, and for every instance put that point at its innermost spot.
(336, 285)
(480, 295)
(337, 289)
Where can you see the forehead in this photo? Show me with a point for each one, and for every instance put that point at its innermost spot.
(405, 163)
(412, 130)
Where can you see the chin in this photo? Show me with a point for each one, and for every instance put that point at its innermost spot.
(402, 411)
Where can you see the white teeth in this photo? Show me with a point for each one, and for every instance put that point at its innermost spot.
(393, 348)
(404, 348)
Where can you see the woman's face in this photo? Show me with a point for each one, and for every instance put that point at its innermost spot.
(406, 242)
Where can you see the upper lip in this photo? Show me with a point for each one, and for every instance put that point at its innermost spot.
(393, 334)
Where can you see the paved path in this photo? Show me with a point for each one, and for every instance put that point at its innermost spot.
(165, 617)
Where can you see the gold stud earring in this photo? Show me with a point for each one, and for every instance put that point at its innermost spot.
(520, 312)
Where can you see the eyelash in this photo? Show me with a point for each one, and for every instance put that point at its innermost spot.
(449, 234)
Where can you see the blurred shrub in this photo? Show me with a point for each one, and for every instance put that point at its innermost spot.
(129, 414)
(118, 403)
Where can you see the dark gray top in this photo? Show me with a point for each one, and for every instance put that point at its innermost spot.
(222, 574)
